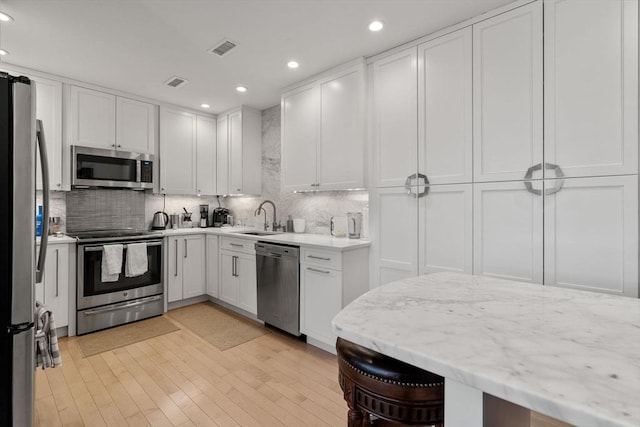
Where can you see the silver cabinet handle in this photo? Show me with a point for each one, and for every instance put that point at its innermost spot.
(318, 271)
(176, 271)
(426, 185)
(528, 176)
(408, 184)
(559, 182)
(234, 266)
(57, 269)
(319, 257)
(185, 248)
(237, 245)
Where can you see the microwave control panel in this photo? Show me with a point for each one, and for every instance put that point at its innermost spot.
(146, 171)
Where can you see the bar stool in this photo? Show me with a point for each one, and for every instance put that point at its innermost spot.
(393, 392)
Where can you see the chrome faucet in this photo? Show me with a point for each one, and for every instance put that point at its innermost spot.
(275, 226)
(257, 212)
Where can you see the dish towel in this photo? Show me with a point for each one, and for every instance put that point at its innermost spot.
(136, 264)
(47, 350)
(111, 263)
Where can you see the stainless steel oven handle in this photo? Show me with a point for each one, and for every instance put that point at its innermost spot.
(122, 305)
(99, 248)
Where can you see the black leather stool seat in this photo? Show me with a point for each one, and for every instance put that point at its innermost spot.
(395, 392)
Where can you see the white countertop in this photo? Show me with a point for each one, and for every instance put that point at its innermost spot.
(300, 239)
(62, 239)
(573, 355)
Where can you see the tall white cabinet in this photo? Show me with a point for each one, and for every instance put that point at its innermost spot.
(514, 179)
(323, 131)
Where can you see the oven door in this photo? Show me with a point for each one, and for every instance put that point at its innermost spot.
(93, 292)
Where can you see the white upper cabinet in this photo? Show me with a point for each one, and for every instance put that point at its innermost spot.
(135, 125)
(323, 131)
(177, 151)
(507, 226)
(239, 152)
(591, 234)
(49, 110)
(92, 118)
(446, 229)
(102, 120)
(206, 155)
(445, 108)
(507, 94)
(300, 116)
(394, 118)
(591, 86)
(341, 150)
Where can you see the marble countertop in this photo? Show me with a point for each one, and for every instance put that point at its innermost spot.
(300, 239)
(573, 355)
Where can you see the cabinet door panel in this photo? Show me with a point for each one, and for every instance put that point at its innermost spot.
(178, 152)
(212, 267)
(174, 269)
(394, 241)
(322, 290)
(591, 234)
(55, 286)
(206, 155)
(92, 118)
(591, 86)
(394, 118)
(445, 108)
(193, 271)
(49, 110)
(236, 185)
(508, 231)
(446, 225)
(135, 126)
(228, 281)
(507, 89)
(248, 282)
(222, 151)
(300, 117)
(341, 164)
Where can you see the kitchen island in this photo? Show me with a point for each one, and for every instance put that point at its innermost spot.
(572, 355)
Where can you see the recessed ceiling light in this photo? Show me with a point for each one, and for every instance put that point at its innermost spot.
(3, 52)
(5, 18)
(375, 26)
(293, 64)
(241, 88)
(205, 105)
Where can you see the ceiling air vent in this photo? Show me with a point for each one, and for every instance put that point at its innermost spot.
(223, 47)
(176, 82)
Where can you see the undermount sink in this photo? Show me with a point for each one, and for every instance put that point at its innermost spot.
(259, 233)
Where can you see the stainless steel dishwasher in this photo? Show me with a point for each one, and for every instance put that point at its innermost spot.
(278, 273)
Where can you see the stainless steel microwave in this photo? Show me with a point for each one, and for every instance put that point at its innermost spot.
(96, 167)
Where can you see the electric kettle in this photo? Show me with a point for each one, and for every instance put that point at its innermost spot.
(160, 221)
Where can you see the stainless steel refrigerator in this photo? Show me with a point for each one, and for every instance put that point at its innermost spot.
(21, 267)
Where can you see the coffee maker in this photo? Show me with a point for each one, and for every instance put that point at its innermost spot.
(220, 217)
(204, 216)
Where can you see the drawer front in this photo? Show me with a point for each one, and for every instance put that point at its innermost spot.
(326, 259)
(238, 245)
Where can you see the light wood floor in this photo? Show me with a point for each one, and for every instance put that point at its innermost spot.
(178, 379)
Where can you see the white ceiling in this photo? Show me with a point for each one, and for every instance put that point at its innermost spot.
(136, 45)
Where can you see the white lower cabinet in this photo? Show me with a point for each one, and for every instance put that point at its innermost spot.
(329, 280)
(213, 271)
(508, 231)
(53, 292)
(238, 281)
(591, 234)
(185, 267)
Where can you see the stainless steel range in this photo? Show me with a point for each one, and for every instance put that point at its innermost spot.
(101, 304)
